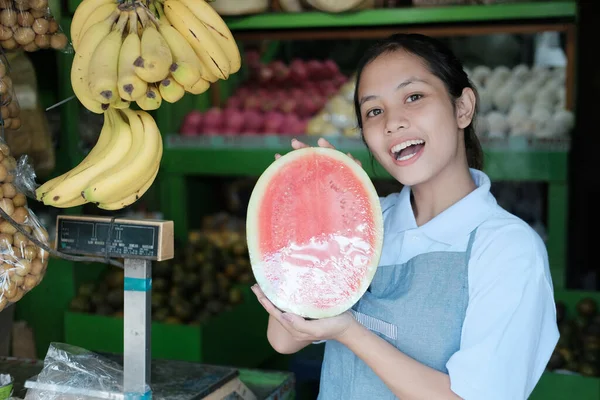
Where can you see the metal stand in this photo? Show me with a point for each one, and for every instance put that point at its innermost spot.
(137, 329)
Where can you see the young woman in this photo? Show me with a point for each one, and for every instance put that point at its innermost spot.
(462, 305)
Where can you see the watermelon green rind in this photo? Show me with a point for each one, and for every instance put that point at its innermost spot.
(253, 232)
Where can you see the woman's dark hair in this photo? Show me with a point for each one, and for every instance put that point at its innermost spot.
(442, 63)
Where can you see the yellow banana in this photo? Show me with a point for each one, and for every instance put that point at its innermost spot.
(156, 58)
(72, 187)
(103, 140)
(218, 29)
(151, 100)
(132, 198)
(103, 12)
(81, 63)
(102, 75)
(125, 178)
(119, 103)
(186, 65)
(199, 87)
(206, 47)
(84, 10)
(131, 86)
(170, 90)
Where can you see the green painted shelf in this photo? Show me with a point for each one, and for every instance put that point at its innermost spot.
(250, 155)
(537, 10)
(407, 15)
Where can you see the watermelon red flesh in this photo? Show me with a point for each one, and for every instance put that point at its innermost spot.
(319, 234)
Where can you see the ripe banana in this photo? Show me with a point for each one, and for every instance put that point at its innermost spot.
(131, 87)
(72, 187)
(199, 37)
(84, 10)
(156, 58)
(132, 198)
(103, 12)
(170, 90)
(199, 87)
(151, 100)
(103, 140)
(136, 168)
(186, 67)
(104, 63)
(81, 63)
(218, 29)
(121, 180)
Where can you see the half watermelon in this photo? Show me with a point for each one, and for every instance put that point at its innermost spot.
(315, 231)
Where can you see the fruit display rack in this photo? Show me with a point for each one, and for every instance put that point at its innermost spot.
(239, 156)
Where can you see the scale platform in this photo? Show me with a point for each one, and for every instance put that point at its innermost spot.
(171, 380)
(138, 242)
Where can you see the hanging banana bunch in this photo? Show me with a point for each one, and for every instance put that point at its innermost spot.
(147, 52)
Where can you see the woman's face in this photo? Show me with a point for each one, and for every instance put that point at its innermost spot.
(409, 122)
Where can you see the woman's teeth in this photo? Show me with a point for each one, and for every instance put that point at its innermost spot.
(398, 149)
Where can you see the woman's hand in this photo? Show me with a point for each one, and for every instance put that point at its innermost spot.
(296, 144)
(307, 330)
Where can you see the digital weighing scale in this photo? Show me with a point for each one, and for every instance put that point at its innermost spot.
(138, 243)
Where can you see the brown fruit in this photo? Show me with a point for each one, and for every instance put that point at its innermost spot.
(58, 41)
(40, 26)
(52, 26)
(19, 200)
(9, 44)
(8, 17)
(25, 19)
(5, 34)
(9, 190)
(38, 4)
(42, 41)
(31, 47)
(13, 109)
(24, 36)
(39, 13)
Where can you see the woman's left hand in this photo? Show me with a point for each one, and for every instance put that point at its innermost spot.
(307, 330)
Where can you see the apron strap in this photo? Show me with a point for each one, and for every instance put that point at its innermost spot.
(376, 325)
(470, 245)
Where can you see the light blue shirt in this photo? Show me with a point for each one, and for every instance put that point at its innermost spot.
(510, 330)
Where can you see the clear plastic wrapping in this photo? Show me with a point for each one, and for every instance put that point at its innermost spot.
(22, 262)
(314, 232)
(30, 25)
(73, 373)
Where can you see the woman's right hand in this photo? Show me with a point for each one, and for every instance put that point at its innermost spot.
(296, 144)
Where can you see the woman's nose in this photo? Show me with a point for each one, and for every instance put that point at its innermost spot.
(396, 123)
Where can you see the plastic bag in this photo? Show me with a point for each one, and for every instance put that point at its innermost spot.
(22, 263)
(34, 137)
(77, 374)
(29, 25)
(10, 111)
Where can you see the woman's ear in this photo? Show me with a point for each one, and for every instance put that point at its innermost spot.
(465, 108)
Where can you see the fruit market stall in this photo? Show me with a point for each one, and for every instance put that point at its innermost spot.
(181, 104)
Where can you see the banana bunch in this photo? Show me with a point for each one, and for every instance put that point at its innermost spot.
(118, 170)
(147, 51)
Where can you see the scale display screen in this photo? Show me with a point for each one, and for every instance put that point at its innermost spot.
(90, 237)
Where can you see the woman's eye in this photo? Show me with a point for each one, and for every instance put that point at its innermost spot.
(374, 112)
(414, 97)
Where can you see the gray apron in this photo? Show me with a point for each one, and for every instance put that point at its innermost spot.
(419, 307)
